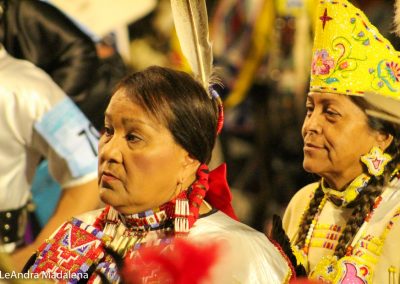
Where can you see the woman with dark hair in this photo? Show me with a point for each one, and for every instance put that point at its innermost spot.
(345, 228)
(160, 129)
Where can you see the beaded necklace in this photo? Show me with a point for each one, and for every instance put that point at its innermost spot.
(313, 224)
(156, 226)
(126, 237)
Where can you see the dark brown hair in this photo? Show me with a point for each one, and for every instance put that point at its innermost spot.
(362, 206)
(179, 102)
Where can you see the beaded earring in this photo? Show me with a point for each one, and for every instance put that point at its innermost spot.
(376, 161)
(181, 222)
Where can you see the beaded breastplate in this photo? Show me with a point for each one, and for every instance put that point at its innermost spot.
(77, 249)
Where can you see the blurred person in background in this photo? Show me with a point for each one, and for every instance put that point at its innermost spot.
(83, 66)
(38, 120)
(345, 227)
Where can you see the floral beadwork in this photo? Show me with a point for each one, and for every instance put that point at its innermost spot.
(336, 69)
(393, 69)
(322, 63)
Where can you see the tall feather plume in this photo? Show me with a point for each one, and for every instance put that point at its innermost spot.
(397, 17)
(191, 24)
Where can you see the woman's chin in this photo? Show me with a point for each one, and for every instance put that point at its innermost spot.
(106, 196)
(310, 167)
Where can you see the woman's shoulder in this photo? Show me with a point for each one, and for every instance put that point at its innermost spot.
(220, 223)
(247, 252)
(296, 207)
(306, 192)
(220, 227)
(303, 196)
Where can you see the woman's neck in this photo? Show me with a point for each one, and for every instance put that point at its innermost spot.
(205, 208)
(340, 182)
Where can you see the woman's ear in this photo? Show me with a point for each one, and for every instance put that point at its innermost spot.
(190, 162)
(384, 140)
(189, 169)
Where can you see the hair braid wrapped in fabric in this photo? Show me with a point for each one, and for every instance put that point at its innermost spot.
(309, 216)
(197, 193)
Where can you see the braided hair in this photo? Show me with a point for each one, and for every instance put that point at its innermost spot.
(363, 204)
(308, 216)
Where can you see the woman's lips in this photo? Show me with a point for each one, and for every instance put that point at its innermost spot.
(108, 177)
(311, 147)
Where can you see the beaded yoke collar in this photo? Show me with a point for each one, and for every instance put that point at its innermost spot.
(347, 196)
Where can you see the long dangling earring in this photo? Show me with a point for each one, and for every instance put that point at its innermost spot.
(181, 222)
(376, 161)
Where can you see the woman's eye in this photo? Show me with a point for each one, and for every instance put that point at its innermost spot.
(331, 112)
(309, 109)
(132, 138)
(107, 131)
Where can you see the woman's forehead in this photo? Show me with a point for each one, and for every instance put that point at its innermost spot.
(327, 97)
(120, 94)
(123, 107)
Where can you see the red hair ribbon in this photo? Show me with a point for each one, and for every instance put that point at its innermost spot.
(219, 194)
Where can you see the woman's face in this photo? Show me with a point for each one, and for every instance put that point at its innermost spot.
(139, 162)
(336, 134)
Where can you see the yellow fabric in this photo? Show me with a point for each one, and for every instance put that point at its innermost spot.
(387, 265)
(350, 56)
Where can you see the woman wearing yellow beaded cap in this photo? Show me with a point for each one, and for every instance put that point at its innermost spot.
(345, 228)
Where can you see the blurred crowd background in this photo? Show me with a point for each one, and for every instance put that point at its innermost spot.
(262, 51)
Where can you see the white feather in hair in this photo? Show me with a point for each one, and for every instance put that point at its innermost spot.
(191, 24)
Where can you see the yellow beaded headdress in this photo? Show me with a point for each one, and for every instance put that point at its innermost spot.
(350, 56)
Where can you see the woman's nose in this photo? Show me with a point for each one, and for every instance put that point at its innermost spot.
(110, 150)
(312, 123)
